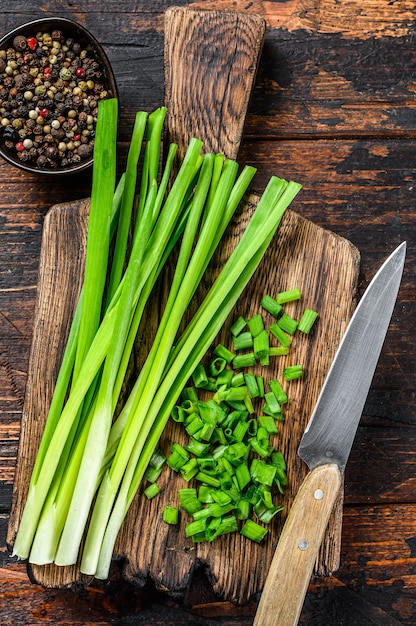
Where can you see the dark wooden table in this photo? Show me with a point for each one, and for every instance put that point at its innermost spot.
(334, 108)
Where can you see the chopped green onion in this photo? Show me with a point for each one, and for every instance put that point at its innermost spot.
(223, 352)
(178, 457)
(152, 473)
(253, 531)
(204, 477)
(271, 306)
(278, 391)
(288, 296)
(238, 380)
(221, 497)
(262, 472)
(238, 326)
(280, 335)
(291, 372)
(272, 403)
(264, 513)
(190, 407)
(228, 525)
(178, 414)
(239, 431)
(268, 422)
(171, 515)
(189, 501)
(260, 384)
(252, 385)
(243, 475)
(276, 414)
(307, 321)
(225, 378)
(243, 341)
(196, 447)
(216, 366)
(205, 494)
(261, 344)
(248, 403)
(157, 459)
(252, 427)
(243, 509)
(199, 376)
(189, 470)
(237, 452)
(288, 324)
(255, 324)
(244, 360)
(190, 393)
(151, 491)
(193, 425)
(263, 449)
(196, 527)
(234, 393)
(278, 351)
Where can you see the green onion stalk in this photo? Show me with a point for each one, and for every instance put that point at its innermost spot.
(91, 462)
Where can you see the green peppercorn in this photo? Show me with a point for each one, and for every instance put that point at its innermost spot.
(40, 90)
(65, 73)
(47, 39)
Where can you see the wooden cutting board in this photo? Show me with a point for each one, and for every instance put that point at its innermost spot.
(211, 59)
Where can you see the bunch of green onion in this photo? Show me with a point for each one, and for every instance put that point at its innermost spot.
(92, 458)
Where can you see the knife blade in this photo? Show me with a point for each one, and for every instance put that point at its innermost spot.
(326, 444)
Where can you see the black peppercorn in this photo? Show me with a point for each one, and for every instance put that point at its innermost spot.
(51, 152)
(19, 42)
(23, 110)
(10, 133)
(84, 151)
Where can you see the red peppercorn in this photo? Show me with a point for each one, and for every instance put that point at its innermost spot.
(47, 70)
(44, 113)
(32, 42)
(77, 137)
(19, 146)
(80, 72)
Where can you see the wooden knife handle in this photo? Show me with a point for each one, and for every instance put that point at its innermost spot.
(291, 569)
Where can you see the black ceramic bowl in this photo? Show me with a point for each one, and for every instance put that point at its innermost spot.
(49, 146)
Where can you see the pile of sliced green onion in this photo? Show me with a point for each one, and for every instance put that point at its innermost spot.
(93, 455)
(230, 454)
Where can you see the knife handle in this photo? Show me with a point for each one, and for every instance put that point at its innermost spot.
(291, 569)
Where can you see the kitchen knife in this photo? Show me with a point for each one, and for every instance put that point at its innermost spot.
(325, 447)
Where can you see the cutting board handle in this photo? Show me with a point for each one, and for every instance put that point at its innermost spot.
(211, 60)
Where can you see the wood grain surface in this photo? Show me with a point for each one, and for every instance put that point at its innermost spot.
(323, 265)
(333, 106)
